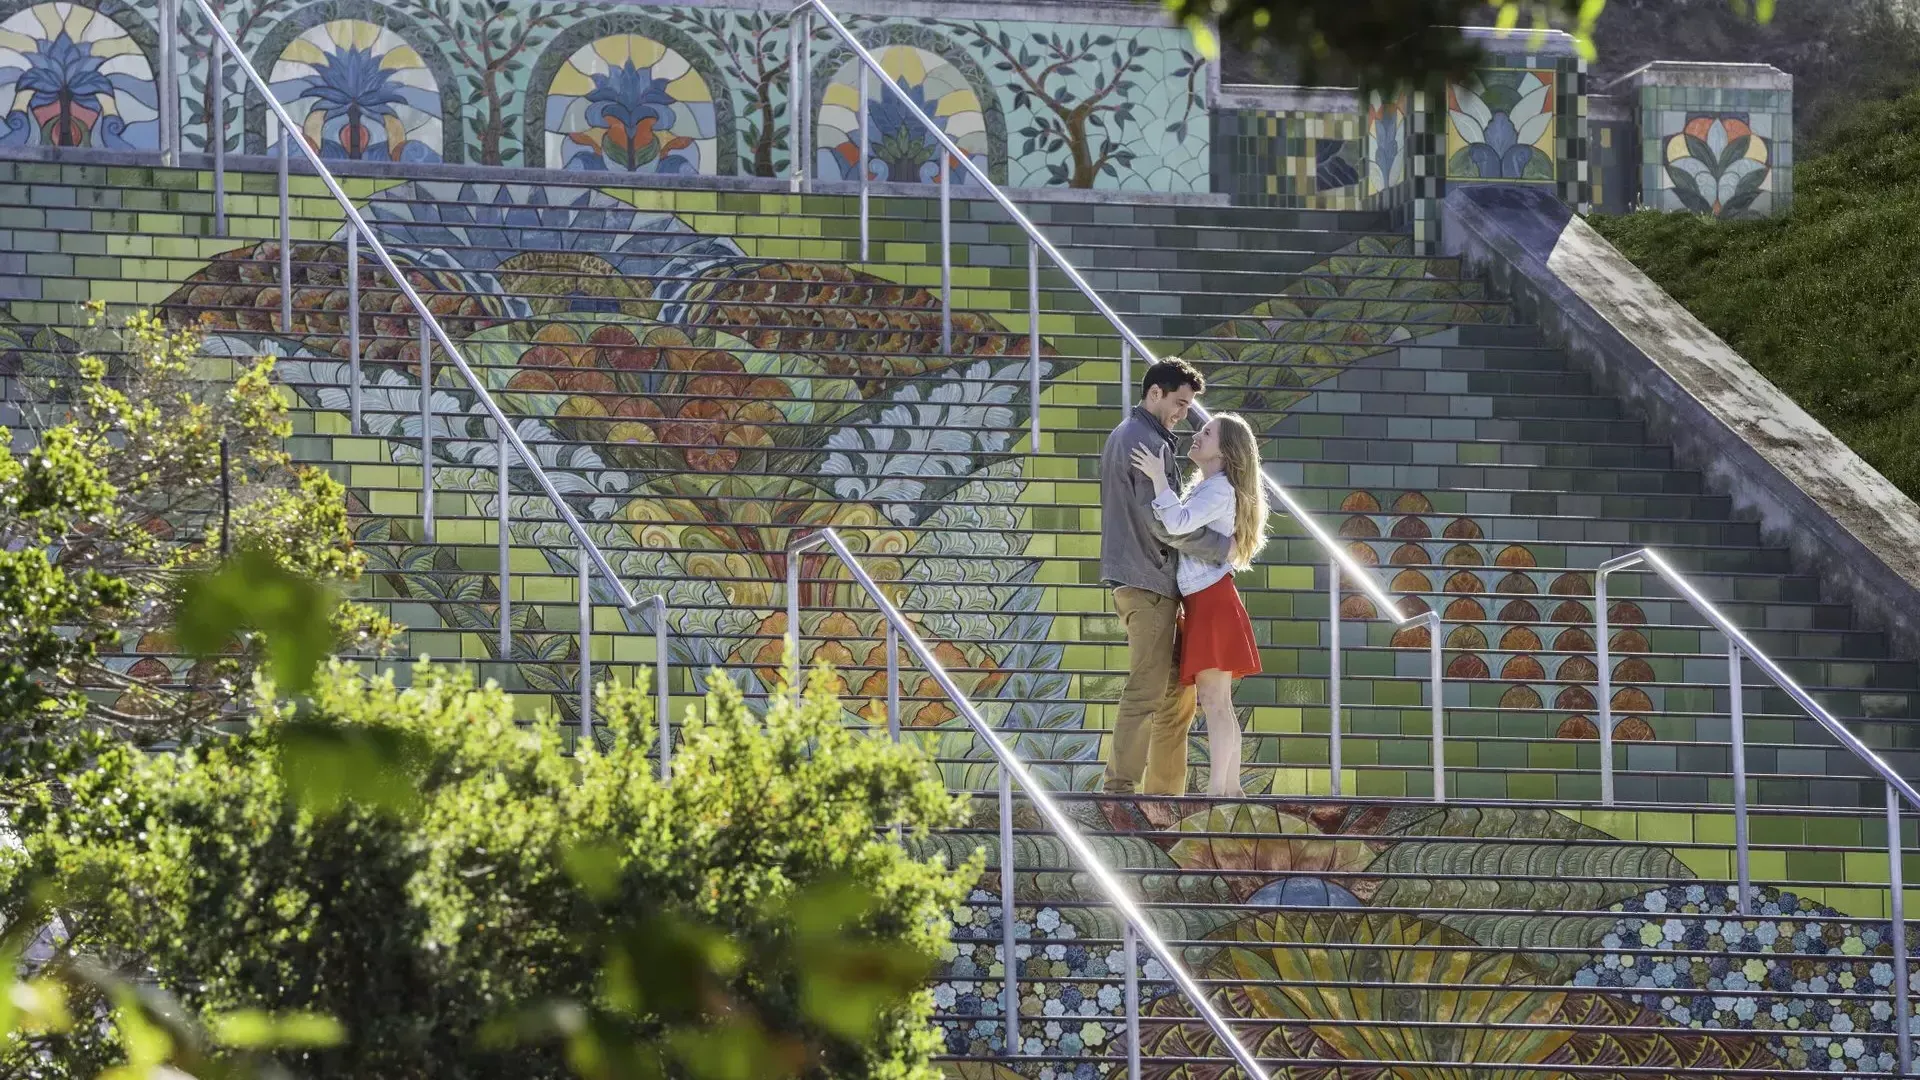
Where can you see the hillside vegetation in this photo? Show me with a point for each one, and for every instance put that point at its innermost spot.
(1824, 301)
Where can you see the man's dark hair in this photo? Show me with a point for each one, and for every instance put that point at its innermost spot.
(1170, 375)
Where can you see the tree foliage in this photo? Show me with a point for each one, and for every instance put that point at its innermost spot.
(1821, 300)
(111, 504)
(466, 900)
(1381, 44)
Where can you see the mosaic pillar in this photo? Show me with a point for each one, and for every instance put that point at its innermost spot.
(1612, 156)
(1711, 138)
(1288, 146)
(1521, 118)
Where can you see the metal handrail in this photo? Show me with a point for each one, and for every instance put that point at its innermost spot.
(1740, 647)
(1340, 560)
(1012, 769)
(510, 444)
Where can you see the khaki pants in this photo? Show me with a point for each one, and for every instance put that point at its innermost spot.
(1150, 732)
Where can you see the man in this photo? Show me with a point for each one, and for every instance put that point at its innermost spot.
(1138, 560)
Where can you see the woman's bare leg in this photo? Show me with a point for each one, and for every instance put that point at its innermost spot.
(1215, 692)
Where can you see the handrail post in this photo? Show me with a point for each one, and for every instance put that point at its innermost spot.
(793, 621)
(586, 650)
(1333, 675)
(1009, 955)
(794, 106)
(1897, 926)
(946, 253)
(663, 707)
(865, 140)
(353, 327)
(1033, 346)
(217, 131)
(167, 80)
(806, 100)
(1604, 650)
(286, 239)
(1126, 377)
(1437, 671)
(893, 683)
(1738, 734)
(506, 562)
(426, 430)
(1130, 951)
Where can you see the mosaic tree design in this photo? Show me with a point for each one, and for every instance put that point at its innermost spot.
(627, 103)
(1077, 89)
(750, 48)
(493, 42)
(359, 91)
(250, 24)
(1500, 126)
(73, 76)
(902, 150)
(1717, 165)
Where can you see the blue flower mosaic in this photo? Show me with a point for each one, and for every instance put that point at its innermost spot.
(1079, 1009)
(1814, 982)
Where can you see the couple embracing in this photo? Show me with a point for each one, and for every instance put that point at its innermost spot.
(1169, 552)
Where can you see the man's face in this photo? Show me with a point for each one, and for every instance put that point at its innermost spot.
(1170, 409)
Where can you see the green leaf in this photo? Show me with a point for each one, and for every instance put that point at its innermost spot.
(252, 592)
(326, 766)
(594, 867)
(847, 985)
(735, 1049)
(258, 1029)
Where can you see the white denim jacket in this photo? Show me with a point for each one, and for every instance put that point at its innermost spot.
(1210, 505)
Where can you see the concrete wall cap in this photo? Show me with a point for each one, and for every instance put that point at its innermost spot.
(1304, 99)
(1700, 73)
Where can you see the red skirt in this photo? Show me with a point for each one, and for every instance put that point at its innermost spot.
(1217, 633)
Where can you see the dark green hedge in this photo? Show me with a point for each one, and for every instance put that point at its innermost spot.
(1824, 301)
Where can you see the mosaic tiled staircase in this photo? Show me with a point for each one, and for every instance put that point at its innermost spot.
(713, 370)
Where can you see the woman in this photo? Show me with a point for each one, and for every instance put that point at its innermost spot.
(1217, 644)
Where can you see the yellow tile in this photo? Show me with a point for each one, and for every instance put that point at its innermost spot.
(1715, 863)
(1865, 866)
(1713, 828)
(1665, 828)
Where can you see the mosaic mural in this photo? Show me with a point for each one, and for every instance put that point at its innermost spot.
(900, 147)
(1500, 126)
(1305, 908)
(693, 90)
(627, 103)
(1712, 139)
(358, 91)
(71, 75)
(1717, 165)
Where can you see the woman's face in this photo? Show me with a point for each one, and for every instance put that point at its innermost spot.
(1205, 451)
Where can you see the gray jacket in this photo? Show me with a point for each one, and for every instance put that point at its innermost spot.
(1135, 549)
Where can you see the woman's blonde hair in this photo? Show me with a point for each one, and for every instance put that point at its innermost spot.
(1240, 460)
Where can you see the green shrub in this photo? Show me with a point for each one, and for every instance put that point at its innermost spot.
(1823, 300)
(436, 901)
